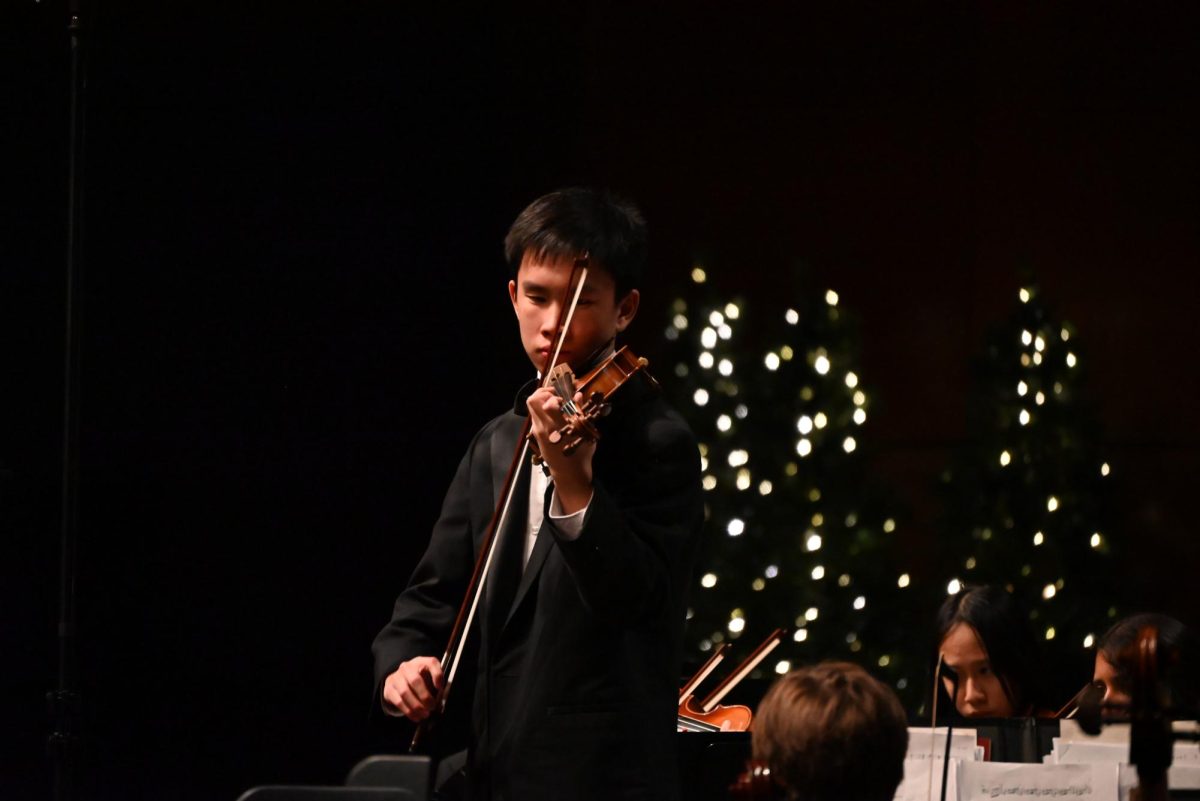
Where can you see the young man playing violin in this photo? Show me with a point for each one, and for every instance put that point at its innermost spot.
(574, 653)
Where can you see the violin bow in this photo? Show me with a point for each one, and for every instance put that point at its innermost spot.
(743, 670)
(452, 657)
(704, 671)
(685, 721)
(1071, 707)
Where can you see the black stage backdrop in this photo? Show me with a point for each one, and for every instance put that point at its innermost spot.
(296, 318)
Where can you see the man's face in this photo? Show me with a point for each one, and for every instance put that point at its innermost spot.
(539, 295)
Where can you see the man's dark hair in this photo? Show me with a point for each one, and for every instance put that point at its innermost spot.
(831, 732)
(1004, 632)
(566, 224)
(1178, 650)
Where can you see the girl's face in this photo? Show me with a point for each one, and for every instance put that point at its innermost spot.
(980, 691)
(1105, 676)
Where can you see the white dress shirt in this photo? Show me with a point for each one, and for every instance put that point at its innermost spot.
(571, 526)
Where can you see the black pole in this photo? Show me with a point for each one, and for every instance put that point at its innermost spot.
(949, 734)
(64, 701)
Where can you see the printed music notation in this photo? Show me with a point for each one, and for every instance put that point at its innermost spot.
(978, 781)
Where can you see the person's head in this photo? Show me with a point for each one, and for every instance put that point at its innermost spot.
(1178, 650)
(989, 651)
(542, 246)
(831, 732)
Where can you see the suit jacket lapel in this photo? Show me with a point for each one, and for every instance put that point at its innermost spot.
(503, 444)
(505, 570)
(541, 549)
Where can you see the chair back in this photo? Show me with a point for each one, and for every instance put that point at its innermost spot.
(284, 792)
(406, 771)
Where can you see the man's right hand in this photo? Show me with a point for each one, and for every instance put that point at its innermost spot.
(412, 690)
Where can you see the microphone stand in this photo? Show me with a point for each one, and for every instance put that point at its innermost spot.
(64, 700)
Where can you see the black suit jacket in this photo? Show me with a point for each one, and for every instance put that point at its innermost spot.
(577, 667)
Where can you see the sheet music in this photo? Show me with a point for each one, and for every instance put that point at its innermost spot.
(1178, 778)
(927, 747)
(925, 743)
(1077, 748)
(986, 781)
(915, 786)
(1113, 732)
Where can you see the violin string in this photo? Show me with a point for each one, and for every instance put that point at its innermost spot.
(565, 389)
(565, 384)
(692, 724)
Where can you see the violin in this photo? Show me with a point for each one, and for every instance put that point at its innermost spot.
(596, 387)
(708, 714)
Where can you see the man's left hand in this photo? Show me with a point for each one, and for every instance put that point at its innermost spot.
(572, 474)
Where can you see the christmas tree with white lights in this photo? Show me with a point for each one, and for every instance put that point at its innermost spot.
(798, 537)
(1026, 500)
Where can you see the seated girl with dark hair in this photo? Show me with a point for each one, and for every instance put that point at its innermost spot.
(1178, 649)
(989, 655)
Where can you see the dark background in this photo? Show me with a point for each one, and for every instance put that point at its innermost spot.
(296, 318)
